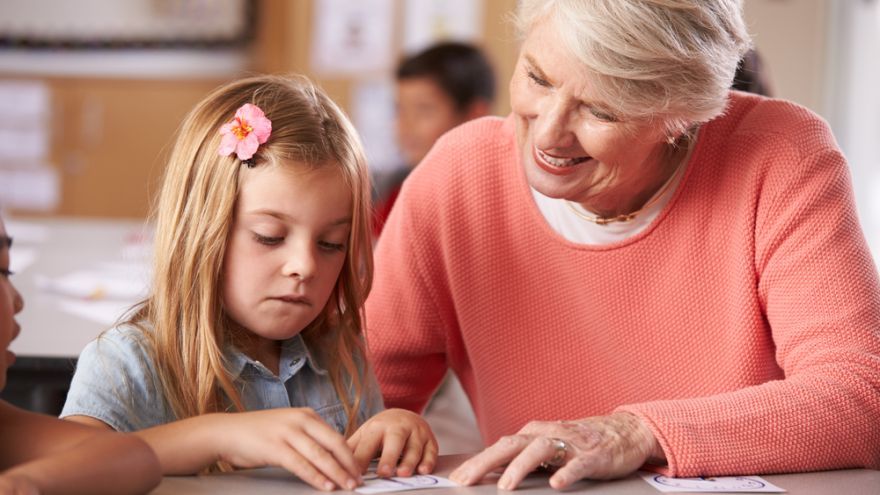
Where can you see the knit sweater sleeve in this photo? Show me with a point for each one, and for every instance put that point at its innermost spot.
(406, 322)
(820, 294)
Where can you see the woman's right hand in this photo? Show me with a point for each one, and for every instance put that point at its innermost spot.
(296, 439)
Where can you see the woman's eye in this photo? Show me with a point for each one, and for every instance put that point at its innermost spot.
(331, 246)
(6, 272)
(537, 80)
(267, 240)
(604, 117)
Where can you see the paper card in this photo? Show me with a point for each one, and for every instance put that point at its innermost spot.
(374, 484)
(726, 484)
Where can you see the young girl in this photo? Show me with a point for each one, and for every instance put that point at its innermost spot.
(262, 264)
(41, 454)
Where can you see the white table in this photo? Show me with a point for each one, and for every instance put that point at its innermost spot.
(71, 244)
(50, 338)
(276, 481)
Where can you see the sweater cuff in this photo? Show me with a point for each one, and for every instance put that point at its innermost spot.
(671, 467)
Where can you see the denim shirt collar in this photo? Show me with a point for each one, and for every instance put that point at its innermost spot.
(294, 355)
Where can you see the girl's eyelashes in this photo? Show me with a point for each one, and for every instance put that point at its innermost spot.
(274, 241)
(330, 246)
(268, 240)
(6, 272)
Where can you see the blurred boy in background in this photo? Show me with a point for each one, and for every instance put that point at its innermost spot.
(437, 89)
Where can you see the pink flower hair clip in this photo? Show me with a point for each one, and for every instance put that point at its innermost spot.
(245, 133)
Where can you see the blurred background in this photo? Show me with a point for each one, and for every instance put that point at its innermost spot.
(92, 91)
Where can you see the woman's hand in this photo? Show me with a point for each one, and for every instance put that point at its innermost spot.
(399, 435)
(600, 447)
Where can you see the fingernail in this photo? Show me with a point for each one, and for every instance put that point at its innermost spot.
(384, 470)
(503, 483)
(329, 486)
(351, 484)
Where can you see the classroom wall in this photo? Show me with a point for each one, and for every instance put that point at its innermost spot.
(109, 134)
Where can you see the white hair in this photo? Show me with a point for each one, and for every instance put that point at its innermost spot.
(667, 59)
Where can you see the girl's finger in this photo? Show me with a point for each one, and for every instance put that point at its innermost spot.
(429, 456)
(412, 454)
(325, 461)
(392, 446)
(292, 461)
(333, 442)
(368, 446)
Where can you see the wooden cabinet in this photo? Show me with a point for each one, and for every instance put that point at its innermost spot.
(110, 139)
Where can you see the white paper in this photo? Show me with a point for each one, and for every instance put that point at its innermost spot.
(374, 117)
(36, 189)
(105, 312)
(429, 21)
(21, 258)
(728, 484)
(399, 484)
(23, 101)
(352, 38)
(27, 232)
(127, 283)
(23, 145)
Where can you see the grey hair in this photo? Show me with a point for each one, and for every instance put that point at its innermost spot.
(672, 60)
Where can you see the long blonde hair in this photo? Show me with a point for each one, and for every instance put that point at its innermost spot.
(183, 317)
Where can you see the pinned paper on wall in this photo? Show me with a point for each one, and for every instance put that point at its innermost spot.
(429, 21)
(373, 116)
(24, 129)
(36, 188)
(352, 37)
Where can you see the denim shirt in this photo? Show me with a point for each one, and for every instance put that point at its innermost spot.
(115, 382)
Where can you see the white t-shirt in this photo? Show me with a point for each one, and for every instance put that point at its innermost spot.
(567, 223)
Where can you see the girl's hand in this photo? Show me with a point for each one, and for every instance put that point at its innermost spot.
(296, 439)
(399, 435)
(601, 447)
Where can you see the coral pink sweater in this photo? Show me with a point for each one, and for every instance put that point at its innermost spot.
(743, 325)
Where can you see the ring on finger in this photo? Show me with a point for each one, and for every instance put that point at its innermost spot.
(559, 454)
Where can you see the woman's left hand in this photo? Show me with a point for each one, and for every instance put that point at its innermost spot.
(600, 447)
(399, 435)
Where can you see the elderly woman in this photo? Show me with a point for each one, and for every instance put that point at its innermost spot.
(636, 266)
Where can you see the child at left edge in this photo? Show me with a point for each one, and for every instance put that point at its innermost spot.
(248, 350)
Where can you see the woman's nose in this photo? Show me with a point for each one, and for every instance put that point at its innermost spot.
(553, 127)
